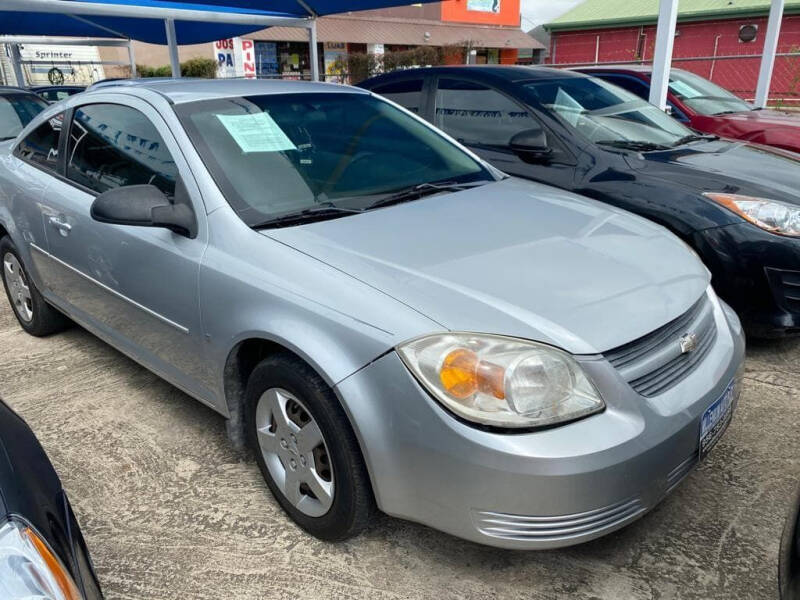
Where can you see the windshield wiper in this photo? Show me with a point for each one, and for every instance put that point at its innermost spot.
(693, 137)
(307, 215)
(423, 189)
(633, 145)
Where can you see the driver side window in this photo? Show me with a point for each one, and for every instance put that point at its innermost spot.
(112, 146)
(477, 115)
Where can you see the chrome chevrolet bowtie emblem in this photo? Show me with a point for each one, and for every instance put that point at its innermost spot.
(688, 342)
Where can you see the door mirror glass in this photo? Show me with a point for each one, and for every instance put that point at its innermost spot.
(531, 145)
(143, 206)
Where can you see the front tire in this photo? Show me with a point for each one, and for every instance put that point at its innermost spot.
(33, 313)
(306, 449)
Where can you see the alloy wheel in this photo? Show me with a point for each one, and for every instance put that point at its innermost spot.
(295, 452)
(18, 289)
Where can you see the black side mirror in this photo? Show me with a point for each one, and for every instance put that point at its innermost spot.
(531, 145)
(145, 206)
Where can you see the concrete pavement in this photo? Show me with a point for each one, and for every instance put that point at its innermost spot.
(170, 511)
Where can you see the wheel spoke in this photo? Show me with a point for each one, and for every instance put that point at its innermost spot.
(267, 441)
(309, 437)
(291, 487)
(9, 268)
(322, 489)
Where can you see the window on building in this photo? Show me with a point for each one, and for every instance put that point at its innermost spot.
(477, 115)
(41, 145)
(113, 146)
(407, 93)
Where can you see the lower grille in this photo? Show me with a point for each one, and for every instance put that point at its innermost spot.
(661, 359)
(544, 529)
(786, 285)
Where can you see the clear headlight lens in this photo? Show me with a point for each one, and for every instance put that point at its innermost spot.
(500, 381)
(771, 215)
(29, 569)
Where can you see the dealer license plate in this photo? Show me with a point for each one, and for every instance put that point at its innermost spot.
(715, 420)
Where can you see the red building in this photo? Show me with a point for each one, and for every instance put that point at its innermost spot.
(721, 40)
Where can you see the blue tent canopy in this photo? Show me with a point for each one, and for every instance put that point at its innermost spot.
(187, 32)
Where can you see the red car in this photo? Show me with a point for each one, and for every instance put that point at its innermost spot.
(703, 105)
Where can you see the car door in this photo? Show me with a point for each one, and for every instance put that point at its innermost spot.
(34, 167)
(485, 119)
(135, 286)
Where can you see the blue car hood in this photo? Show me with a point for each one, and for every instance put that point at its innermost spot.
(516, 258)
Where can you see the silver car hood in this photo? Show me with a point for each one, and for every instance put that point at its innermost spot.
(516, 258)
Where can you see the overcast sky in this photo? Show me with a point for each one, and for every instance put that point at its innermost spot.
(536, 12)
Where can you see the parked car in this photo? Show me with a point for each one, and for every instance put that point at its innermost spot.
(42, 552)
(54, 93)
(705, 106)
(789, 562)
(17, 108)
(385, 316)
(736, 205)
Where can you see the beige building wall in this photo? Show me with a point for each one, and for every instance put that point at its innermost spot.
(151, 55)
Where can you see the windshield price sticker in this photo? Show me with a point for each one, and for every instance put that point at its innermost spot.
(256, 133)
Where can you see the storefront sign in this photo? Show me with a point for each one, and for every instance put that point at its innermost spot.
(235, 58)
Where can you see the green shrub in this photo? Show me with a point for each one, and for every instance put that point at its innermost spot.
(199, 67)
(194, 67)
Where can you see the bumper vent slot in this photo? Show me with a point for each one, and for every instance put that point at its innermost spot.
(786, 285)
(656, 362)
(544, 529)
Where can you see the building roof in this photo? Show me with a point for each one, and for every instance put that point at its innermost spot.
(593, 14)
(413, 32)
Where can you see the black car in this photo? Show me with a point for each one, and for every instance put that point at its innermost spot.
(736, 204)
(42, 552)
(54, 93)
(17, 108)
(789, 565)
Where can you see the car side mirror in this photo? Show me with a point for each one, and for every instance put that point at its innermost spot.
(531, 145)
(145, 206)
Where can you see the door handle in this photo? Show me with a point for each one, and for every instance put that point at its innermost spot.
(63, 227)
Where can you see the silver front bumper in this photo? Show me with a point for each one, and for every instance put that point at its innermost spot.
(549, 488)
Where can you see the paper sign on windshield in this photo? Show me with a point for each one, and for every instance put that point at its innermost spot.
(256, 133)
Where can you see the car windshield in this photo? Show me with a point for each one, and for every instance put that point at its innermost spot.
(280, 154)
(16, 111)
(607, 114)
(704, 96)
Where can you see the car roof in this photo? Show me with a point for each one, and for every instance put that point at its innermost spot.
(507, 72)
(9, 89)
(44, 88)
(181, 90)
(629, 68)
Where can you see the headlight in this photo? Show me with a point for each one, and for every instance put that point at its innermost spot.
(771, 215)
(501, 381)
(29, 569)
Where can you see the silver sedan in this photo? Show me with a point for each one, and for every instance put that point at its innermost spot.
(389, 322)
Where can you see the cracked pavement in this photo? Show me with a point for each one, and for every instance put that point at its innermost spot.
(169, 510)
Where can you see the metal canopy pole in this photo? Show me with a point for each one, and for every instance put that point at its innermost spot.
(662, 61)
(313, 53)
(172, 43)
(16, 64)
(768, 56)
(132, 59)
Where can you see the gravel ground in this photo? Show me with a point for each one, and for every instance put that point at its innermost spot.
(170, 511)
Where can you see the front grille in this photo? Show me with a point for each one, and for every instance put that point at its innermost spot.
(555, 528)
(786, 285)
(654, 363)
